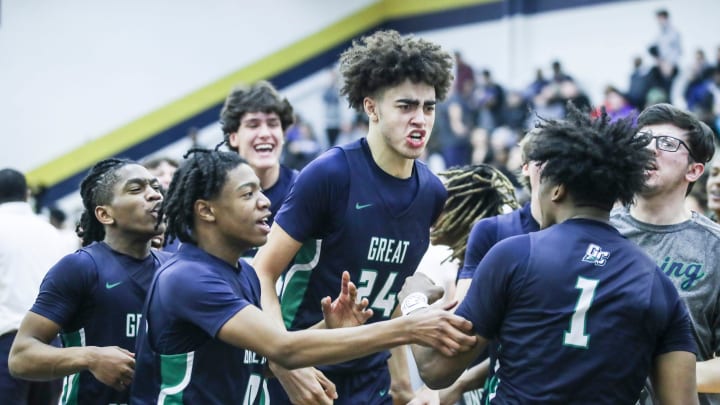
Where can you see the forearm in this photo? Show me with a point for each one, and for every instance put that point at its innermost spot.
(316, 347)
(400, 385)
(31, 359)
(474, 377)
(269, 299)
(439, 371)
(708, 376)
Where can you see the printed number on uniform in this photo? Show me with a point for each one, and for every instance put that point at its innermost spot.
(384, 300)
(576, 336)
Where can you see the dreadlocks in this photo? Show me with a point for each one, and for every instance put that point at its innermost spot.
(202, 176)
(97, 189)
(474, 192)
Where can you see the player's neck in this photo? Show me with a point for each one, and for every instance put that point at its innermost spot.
(585, 212)
(660, 210)
(133, 246)
(268, 176)
(216, 245)
(387, 159)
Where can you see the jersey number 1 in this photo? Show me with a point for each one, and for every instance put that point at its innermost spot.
(576, 336)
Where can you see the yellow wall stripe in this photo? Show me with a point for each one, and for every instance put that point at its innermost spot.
(214, 93)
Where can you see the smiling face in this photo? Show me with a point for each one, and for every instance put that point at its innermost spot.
(405, 115)
(713, 184)
(259, 139)
(241, 210)
(135, 204)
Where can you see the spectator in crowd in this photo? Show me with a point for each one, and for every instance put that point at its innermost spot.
(683, 243)
(163, 168)
(667, 50)
(713, 186)
(29, 246)
(333, 114)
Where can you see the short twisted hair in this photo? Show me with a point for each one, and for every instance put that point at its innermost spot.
(201, 176)
(474, 192)
(97, 189)
(386, 59)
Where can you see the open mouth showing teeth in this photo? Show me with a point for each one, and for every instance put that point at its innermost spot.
(265, 147)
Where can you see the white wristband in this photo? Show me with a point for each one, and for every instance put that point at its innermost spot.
(413, 302)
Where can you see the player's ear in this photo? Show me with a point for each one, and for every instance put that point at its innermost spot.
(104, 215)
(559, 192)
(204, 210)
(370, 107)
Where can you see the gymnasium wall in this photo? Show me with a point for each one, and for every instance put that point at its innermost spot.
(81, 80)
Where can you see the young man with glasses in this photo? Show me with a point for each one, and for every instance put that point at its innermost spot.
(684, 244)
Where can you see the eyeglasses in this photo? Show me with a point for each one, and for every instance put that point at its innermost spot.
(669, 143)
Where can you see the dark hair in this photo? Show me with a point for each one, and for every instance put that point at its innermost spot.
(662, 13)
(13, 186)
(598, 161)
(97, 189)
(474, 192)
(386, 59)
(700, 138)
(201, 176)
(153, 163)
(57, 215)
(260, 97)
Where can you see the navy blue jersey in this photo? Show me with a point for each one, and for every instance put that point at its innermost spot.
(179, 357)
(360, 219)
(489, 231)
(579, 313)
(96, 296)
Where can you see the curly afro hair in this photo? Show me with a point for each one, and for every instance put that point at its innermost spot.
(386, 59)
(599, 161)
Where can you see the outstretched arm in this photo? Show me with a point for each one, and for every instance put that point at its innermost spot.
(673, 377)
(33, 358)
(435, 328)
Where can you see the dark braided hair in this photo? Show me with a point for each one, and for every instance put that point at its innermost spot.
(97, 189)
(474, 192)
(201, 176)
(599, 161)
(386, 59)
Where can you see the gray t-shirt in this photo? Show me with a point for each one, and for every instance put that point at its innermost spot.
(688, 253)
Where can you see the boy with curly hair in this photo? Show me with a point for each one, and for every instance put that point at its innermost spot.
(366, 207)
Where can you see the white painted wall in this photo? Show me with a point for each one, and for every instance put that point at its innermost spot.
(74, 70)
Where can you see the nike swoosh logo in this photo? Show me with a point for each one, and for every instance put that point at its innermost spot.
(113, 285)
(359, 206)
(382, 393)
